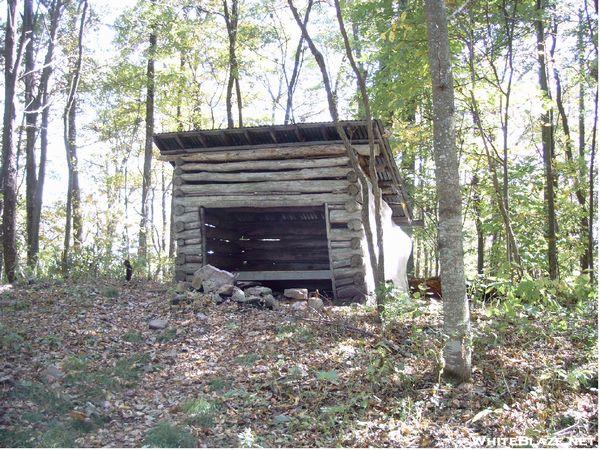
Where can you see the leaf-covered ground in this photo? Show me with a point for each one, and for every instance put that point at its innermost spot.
(80, 367)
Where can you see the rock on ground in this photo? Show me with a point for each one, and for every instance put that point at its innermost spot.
(237, 295)
(296, 293)
(158, 324)
(226, 290)
(258, 290)
(315, 303)
(210, 278)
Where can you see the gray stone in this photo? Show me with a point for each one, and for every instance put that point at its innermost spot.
(315, 303)
(52, 374)
(258, 290)
(281, 418)
(296, 293)
(178, 298)
(181, 287)
(226, 290)
(211, 279)
(201, 316)
(237, 295)
(158, 324)
(299, 306)
(270, 301)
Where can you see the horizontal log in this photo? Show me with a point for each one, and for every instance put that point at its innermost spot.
(299, 186)
(260, 201)
(305, 151)
(181, 226)
(342, 234)
(347, 272)
(190, 249)
(277, 232)
(343, 253)
(352, 177)
(352, 205)
(341, 244)
(354, 261)
(353, 189)
(187, 217)
(302, 174)
(343, 216)
(194, 233)
(263, 165)
(221, 246)
(284, 275)
(355, 224)
(357, 279)
(191, 241)
(283, 244)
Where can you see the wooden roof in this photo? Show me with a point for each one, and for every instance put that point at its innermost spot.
(390, 180)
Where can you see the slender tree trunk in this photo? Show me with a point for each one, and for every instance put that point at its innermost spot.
(457, 328)
(231, 22)
(73, 220)
(592, 177)
(478, 224)
(547, 145)
(342, 133)
(147, 173)
(364, 100)
(12, 62)
(298, 56)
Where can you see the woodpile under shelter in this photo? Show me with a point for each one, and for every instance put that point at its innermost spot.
(282, 205)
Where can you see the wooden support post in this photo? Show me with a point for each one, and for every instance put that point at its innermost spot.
(328, 227)
(203, 235)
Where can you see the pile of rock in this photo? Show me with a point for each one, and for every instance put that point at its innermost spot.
(222, 286)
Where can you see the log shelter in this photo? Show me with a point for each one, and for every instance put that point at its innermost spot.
(279, 204)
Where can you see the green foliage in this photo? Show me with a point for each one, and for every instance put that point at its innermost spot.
(328, 376)
(398, 305)
(10, 340)
(133, 336)
(166, 435)
(167, 335)
(201, 411)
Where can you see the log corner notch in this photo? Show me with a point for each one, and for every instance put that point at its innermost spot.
(236, 189)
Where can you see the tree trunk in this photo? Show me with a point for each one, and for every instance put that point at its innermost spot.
(547, 145)
(478, 224)
(231, 22)
(457, 328)
(41, 101)
(289, 107)
(147, 174)
(12, 62)
(73, 218)
(366, 107)
(31, 116)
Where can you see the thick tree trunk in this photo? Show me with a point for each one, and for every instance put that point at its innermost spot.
(147, 172)
(12, 62)
(41, 101)
(31, 116)
(547, 145)
(457, 328)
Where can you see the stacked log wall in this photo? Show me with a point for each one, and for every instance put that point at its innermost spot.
(310, 175)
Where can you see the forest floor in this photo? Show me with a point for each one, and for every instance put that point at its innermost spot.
(80, 367)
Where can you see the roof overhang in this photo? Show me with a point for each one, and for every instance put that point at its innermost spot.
(174, 144)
